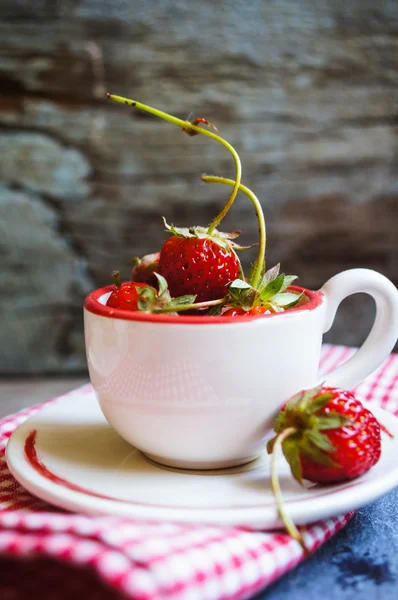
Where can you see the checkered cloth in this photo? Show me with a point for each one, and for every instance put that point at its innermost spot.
(51, 554)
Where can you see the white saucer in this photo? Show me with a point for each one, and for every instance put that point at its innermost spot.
(75, 443)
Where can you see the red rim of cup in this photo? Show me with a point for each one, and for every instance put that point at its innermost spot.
(93, 305)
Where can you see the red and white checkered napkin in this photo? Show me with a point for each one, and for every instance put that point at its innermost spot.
(69, 555)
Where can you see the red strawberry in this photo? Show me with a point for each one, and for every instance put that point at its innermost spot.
(239, 312)
(333, 436)
(357, 445)
(145, 268)
(134, 296)
(194, 263)
(270, 295)
(127, 295)
(327, 436)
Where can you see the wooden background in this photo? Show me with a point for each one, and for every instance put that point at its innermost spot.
(306, 91)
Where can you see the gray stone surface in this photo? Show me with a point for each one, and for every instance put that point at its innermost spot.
(307, 91)
(41, 288)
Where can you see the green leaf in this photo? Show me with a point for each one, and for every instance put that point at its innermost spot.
(184, 232)
(272, 288)
(273, 307)
(281, 421)
(163, 287)
(214, 311)
(320, 401)
(242, 294)
(332, 421)
(146, 293)
(316, 454)
(235, 295)
(239, 284)
(146, 298)
(291, 452)
(293, 403)
(201, 233)
(304, 401)
(269, 276)
(288, 281)
(232, 235)
(182, 300)
(320, 440)
(247, 298)
(224, 240)
(143, 305)
(308, 398)
(287, 299)
(236, 246)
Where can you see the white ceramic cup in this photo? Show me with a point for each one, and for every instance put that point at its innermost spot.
(201, 392)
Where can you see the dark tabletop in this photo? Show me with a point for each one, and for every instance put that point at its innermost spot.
(359, 563)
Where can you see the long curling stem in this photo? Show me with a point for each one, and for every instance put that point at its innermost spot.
(210, 134)
(287, 520)
(261, 223)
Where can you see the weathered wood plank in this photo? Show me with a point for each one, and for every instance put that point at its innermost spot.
(306, 91)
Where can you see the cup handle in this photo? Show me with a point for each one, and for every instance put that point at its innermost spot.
(384, 333)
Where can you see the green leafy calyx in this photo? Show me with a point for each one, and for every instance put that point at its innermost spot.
(224, 240)
(152, 301)
(271, 292)
(301, 415)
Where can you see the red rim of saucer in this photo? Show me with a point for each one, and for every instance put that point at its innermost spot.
(93, 305)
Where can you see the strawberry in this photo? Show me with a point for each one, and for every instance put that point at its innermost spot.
(194, 262)
(327, 436)
(202, 261)
(270, 295)
(145, 267)
(127, 295)
(138, 296)
(239, 312)
(333, 436)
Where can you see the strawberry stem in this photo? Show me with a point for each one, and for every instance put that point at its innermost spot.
(187, 125)
(182, 307)
(116, 278)
(255, 279)
(287, 520)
